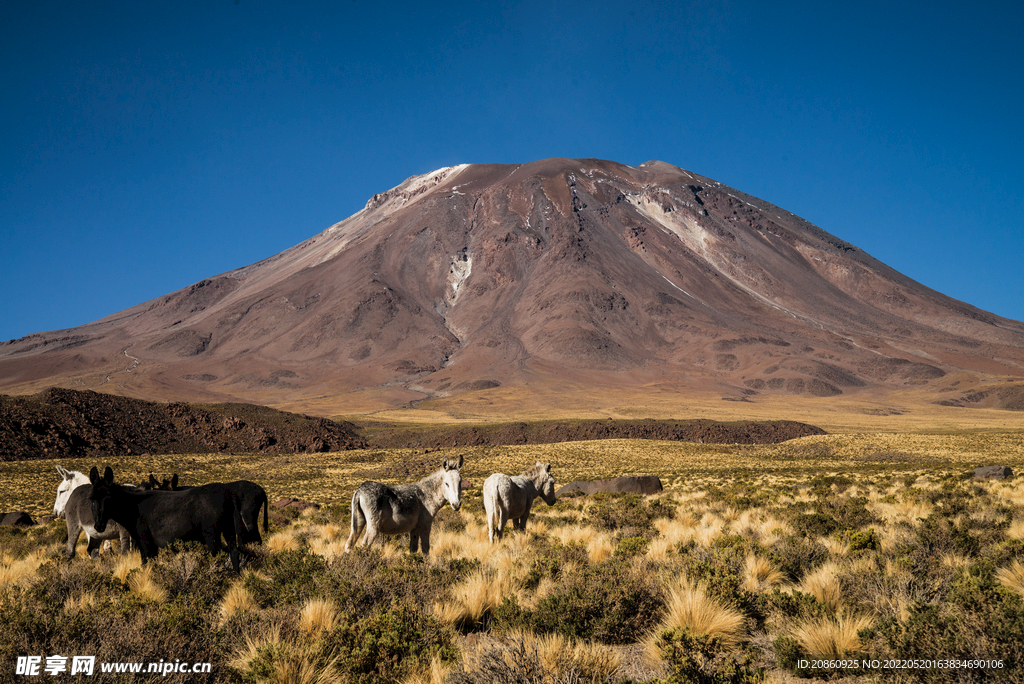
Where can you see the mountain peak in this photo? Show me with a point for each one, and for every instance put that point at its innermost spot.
(577, 272)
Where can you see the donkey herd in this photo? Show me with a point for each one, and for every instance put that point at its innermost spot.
(152, 515)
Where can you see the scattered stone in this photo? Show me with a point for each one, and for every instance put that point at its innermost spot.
(637, 484)
(17, 518)
(993, 472)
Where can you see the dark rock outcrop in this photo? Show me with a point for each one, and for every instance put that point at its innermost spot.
(634, 484)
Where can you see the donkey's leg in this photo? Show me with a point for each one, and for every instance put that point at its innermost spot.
(425, 538)
(492, 517)
(74, 531)
(502, 521)
(126, 541)
(414, 541)
(520, 522)
(358, 523)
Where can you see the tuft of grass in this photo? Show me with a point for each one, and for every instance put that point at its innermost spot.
(318, 615)
(832, 637)
(22, 571)
(473, 599)
(689, 607)
(125, 564)
(141, 583)
(1012, 576)
(760, 574)
(434, 672)
(285, 540)
(823, 584)
(236, 598)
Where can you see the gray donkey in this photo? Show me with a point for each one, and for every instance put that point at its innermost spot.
(510, 498)
(408, 508)
(73, 503)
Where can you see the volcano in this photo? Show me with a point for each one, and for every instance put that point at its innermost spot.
(582, 274)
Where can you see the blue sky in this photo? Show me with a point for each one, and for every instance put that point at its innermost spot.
(146, 146)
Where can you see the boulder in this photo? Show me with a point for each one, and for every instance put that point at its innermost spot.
(993, 472)
(634, 484)
(19, 518)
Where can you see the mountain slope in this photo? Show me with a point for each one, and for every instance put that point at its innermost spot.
(557, 272)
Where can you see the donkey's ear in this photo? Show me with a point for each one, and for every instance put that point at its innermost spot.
(174, 482)
(153, 484)
(64, 473)
(108, 475)
(547, 467)
(459, 466)
(94, 475)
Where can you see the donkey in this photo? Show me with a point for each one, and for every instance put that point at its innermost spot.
(155, 519)
(510, 498)
(73, 503)
(251, 498)
(411, 508)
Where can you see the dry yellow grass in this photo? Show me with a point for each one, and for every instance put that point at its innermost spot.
(599, 544)
(434, 672)
(473, 598)
(236, 598)
(141, 583)
(759, 574)
(22, 571)
(690, 607)
(831, 638)
(568, 659)
(125, 564)
(1012, 576)
(79, 602)
(823, 584)
(284, 540)
(318, 615)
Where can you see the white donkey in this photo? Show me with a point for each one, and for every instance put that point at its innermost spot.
(405, 508)
(79, 515)
(510, 498)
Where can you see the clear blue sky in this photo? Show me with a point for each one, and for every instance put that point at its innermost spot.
(146, 146)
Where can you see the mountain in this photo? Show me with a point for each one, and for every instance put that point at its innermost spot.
(561, 273)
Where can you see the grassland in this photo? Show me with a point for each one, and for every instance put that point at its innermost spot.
(851, 545)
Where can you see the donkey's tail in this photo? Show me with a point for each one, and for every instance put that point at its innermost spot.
(238, 533)
(358, 521)
(266, 506)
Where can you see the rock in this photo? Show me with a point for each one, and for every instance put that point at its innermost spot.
(993, 472)
(19, 518)
(636, 484)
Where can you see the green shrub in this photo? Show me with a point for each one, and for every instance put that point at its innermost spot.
(628, 511)
(381, 647)
(632, 546)
(700, 659)
(609, 602)
(862, 541)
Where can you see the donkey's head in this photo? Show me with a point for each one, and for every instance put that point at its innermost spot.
(546, 484)
(451, 481)
(102, 489)
(70, 481)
